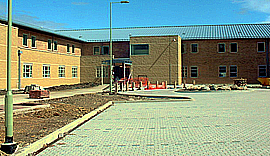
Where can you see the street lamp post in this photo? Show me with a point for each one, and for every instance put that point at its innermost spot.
(9, 146)
(111, 49)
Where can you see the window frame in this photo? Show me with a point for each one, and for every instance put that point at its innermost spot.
(102, 50)
(183, 49)
(49, 44)
(233, 72)
(73, 49)
(184, 71)
(55, 44)
(94, 53)
(259, 70)
(60, 69)
(74, 72)
(25, 40)
(191, 47)
(219, 73)
(44, 74)
(135, 54)
(258, 47)
(30, 70)
(105, 71)
(219, 47)
(231, 47)
(197, 71)
(33, 38)
(68, 48)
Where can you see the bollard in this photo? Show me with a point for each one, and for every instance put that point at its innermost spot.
(133, 86)
(193, 82)
(184, 85)
(122, 87)
(127, 86)
(148, 84)
(157, 85)
(140, 87)
(174, 86)
(166, 84)
(116, 88)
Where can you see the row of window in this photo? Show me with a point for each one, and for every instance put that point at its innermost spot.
(221, 48)
(262, 71)
(28, 70)
(33, 44)
(104, 50)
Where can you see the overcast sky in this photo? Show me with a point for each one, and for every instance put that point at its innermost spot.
(91, 14)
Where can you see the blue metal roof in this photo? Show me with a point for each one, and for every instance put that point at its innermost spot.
(232, 31)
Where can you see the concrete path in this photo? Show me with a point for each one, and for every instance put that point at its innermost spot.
(24, 98)
(220, 123)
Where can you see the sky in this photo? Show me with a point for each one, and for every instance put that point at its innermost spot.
(94, 14)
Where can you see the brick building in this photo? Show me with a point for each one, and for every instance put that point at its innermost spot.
(205, 53)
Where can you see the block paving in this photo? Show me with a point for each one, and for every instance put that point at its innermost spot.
(220, 123)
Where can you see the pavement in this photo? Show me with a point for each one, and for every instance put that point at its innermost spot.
(19, 100)
(215, 123)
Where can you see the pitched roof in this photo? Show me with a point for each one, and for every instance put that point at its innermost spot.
(231, 31)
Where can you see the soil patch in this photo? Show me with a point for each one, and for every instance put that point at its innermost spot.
(30, 127)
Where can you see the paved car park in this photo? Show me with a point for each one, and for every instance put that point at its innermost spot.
(215, 123)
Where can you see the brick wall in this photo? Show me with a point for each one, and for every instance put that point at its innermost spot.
(208, 60)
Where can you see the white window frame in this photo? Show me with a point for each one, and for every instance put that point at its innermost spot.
(224, 48)
(26, 40)
(185, 71)
(197, 71)
(98, 53)
(61, 71)
(105, 71)
(259, 70)
(191, 49)
(103, 50)
(28, 74)
(231, 47)
(46, 72)
(74, 71)
(258, 47)
(35, 44)
(222, 74)
(234, 72)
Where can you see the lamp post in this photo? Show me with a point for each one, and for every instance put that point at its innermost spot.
(111, 52)
(9, 146)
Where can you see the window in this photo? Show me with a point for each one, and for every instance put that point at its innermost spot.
(105, 71)
(193, 72)
(233, 71)
(194, 48)
(49, 44)
(261, 46)
(33, 38)
(25, 39)
(73, 49)
(183, 48)
(222, 71)
(105, 50)
(184, 72)
(27, 70)
(61, 71)
(140, 49)
(68, 47)
(262, 71)
(46, 70)
(74, 71)
(96, 51)
(55, 45)
(221, 47)
(234, 48)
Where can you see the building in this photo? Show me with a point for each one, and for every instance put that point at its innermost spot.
(208, 54)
